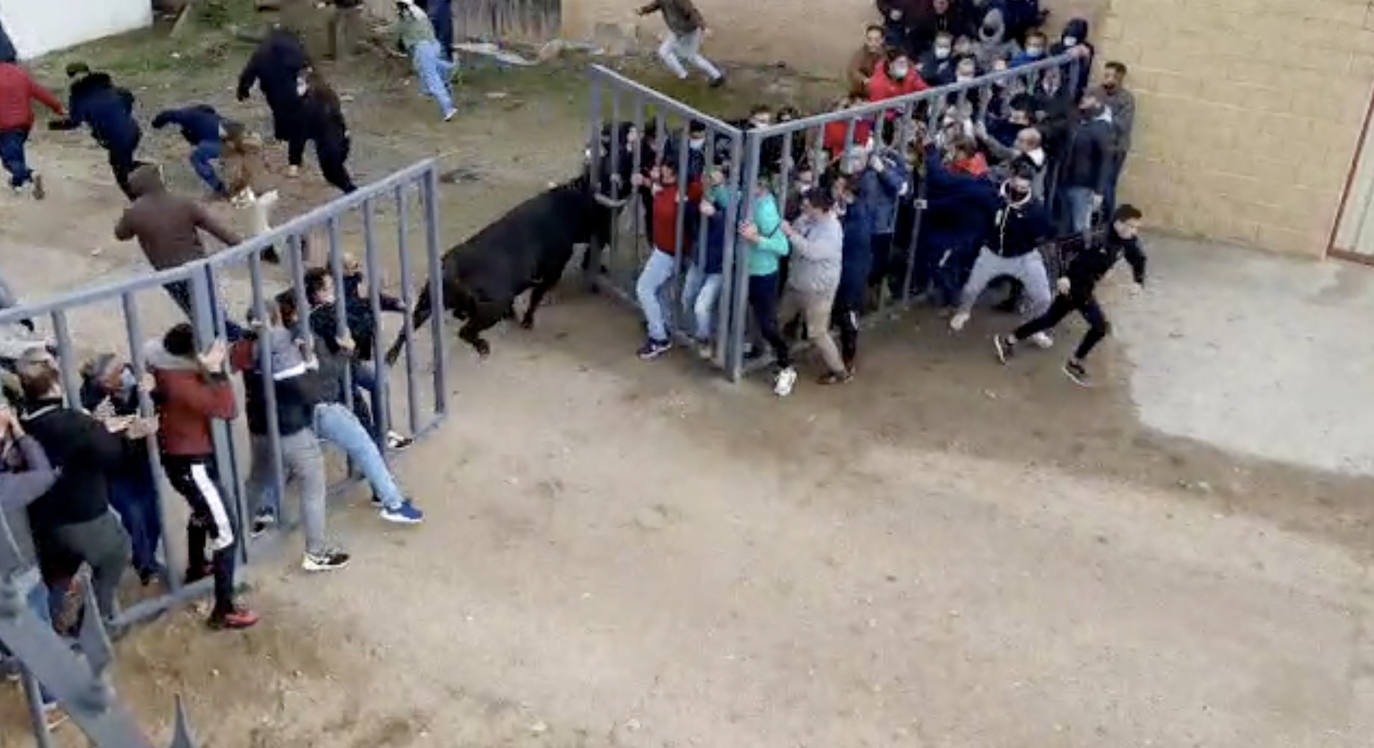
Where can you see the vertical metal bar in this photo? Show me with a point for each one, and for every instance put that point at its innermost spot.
(436, 288)
(918, 210)
(818, 155)
(33, 699)
(203, 322)
(65, 353)
(269, 385)
(786, 170)
(374, 294)
(731, 257)
(594, 142)
(684, 172)
(340, 304)
(635, 203)
(751, 177)
(225, 453)
(614, 143)
(904, 130)
(984, 100)
(134, 330)
(406, 276)
(297, 267)
(598, 253)
(849, 132)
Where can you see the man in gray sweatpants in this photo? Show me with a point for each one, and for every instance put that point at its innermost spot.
(687, 28)
(1011, 247)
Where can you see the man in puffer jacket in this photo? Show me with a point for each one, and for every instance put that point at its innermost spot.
(203, 128)
(109, 111)
(817, 242)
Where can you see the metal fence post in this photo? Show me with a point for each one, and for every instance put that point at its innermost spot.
(412, 399)
(436, 288)
(741, 300)
(374, 300)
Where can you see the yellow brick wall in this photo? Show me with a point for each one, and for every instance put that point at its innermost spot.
(1248, 113)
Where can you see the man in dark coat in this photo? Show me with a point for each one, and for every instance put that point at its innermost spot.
(440, 14)
(277, 66)
(109, 111)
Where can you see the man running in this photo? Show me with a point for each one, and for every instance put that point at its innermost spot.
(1099, 253)
(686, 27)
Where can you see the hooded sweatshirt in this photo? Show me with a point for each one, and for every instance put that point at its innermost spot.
(17, 88)
(413, 29)
(199, 123)
(296, 395)
(817, 255)
(274, 66)
(681, 16)
(1017, 229)
(107, 108)
(87, 453)
(1076, 30)
(187, 398)
(25, 475)
(167, 226)
(994, 41)
(772, 244)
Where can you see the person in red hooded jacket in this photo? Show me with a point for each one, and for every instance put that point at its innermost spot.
(17, 90)
(894, 77)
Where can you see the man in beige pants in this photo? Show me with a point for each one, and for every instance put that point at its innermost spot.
(817, 248)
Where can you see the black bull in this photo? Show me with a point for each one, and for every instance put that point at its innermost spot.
(527, 248)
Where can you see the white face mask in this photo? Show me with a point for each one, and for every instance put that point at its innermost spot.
(301, 87)
(696, 145)
(899, 71)
(1035, 51)
(963, 77)
(942, 53)
(1070, 41)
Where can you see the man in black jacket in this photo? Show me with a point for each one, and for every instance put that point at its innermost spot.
(1010, 246)
(72, 522)
(1097, 255)
(276, 66)
(1087, 164)
(109, 111)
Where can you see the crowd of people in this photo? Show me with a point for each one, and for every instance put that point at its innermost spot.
(1014, 186)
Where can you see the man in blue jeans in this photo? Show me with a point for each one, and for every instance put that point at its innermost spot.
(415, 36)
(203, 128)
(662, 264)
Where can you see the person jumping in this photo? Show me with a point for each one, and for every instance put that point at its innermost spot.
(686, 27)
(1099, 253)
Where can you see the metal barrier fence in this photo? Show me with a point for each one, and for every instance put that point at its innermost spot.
(893, 122)
(627, 254)
(200, 283)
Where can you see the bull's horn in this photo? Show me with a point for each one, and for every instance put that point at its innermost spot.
(609, 203)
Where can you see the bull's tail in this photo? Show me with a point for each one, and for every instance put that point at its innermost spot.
(421, 315)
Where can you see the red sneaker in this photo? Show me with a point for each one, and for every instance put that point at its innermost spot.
(238, 618)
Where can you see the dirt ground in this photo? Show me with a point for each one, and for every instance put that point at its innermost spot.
(944, 553)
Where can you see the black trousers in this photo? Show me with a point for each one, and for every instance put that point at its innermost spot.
(845, 315)
(180, 291)
(211, 521)
(763, 301)
(332, 153)
(1086, 305)
(123, 163)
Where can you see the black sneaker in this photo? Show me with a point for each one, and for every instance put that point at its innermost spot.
(325, 561)
(652, 349)
(1004, 346)
(1074, 370)
(718, 81)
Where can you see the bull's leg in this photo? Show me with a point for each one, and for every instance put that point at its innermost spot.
(536, 296)
(483, 318)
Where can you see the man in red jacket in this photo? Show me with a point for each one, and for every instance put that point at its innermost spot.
(17, 89)
(192, 390)
(662, 264)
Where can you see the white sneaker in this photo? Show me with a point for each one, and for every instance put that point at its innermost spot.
(1042, 340)
(957, 322)
(787, 379)
(450, 114)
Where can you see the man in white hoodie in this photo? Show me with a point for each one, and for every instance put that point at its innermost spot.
(817, 250)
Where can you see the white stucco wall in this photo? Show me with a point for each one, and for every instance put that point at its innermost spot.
(40, 26)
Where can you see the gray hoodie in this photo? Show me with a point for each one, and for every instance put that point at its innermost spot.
(20, 487)
(816, 255)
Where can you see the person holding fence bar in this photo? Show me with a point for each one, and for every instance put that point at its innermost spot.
(72, 523)
(662, 263)
(1097, 254)
(109, 111)
(817, 243)
(1010, 246)
(686, 28)
(17, 89)
(856, 222)
(110, 391)
(168, 229)
(767, 245)
(193, 389)
(704, 276)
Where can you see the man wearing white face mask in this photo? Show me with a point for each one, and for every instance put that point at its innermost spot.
(937, 64)
(686, 27)
(1028, 148)
(1010, 247)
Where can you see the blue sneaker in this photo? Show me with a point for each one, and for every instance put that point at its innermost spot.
(405, 514)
